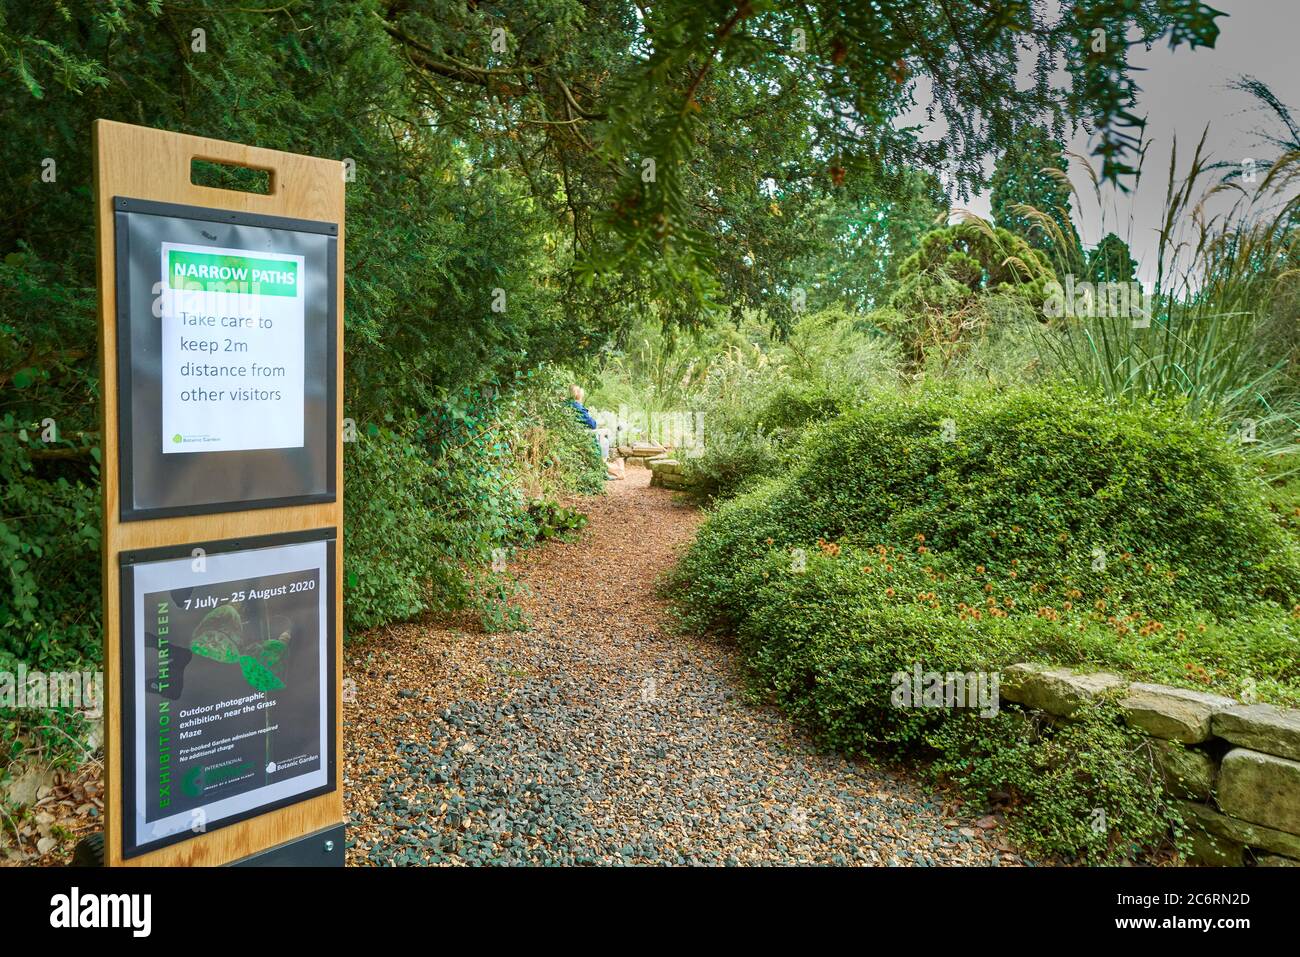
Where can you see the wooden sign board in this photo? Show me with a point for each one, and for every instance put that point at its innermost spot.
(221, 345)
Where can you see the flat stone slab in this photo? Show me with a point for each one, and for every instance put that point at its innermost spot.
(1176, 714)
(1214, 850)
(1261, 788)
(1243, 832)
(642, 450)
(1276, 860)
(1058, 691)
(1261, 727)
(665, 465)
(1187, 773)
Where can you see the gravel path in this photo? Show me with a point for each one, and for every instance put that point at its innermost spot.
(598, 737)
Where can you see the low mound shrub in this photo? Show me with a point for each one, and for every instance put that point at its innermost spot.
(1043, 485)
(964, 532)
(755, 440)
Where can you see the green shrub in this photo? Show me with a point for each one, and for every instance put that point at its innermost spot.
(1042, 477)
(388, 562)
(757, 404)
(754, 442)
(1084, 788)
(554, 453)
(427, 505)
(958, 531)
(946, 286)
(49, 594)
(554, 520)
(49, 548)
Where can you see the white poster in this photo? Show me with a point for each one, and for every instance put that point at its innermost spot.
(230, 688)
(233, 349)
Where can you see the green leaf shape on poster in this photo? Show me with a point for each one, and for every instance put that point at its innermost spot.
(272, 651)
(215, 645)
(218, 634)
(222, 618)
(258, 675)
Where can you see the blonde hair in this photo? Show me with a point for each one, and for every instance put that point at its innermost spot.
(575, 390)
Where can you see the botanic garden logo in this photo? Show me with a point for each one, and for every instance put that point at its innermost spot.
(192, 783)
(1098, 300)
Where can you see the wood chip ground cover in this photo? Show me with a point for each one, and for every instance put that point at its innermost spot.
(596, 736)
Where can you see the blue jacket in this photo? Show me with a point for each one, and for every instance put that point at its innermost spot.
(583, 415)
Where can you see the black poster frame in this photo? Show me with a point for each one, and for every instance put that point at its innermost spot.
(128, 512)
(128, 560)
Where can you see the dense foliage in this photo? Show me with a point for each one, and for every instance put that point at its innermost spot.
(707, 203)
(968, 530)
(1030, 175)
(433, 230)
(962, 279)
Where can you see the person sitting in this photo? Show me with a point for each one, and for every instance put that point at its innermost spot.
(576, 395)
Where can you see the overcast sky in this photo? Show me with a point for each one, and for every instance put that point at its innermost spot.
(1181, 91)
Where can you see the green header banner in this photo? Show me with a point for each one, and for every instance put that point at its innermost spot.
(209, 272)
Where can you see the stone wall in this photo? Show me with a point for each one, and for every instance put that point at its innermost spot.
(668, 473)
(1233, 768)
